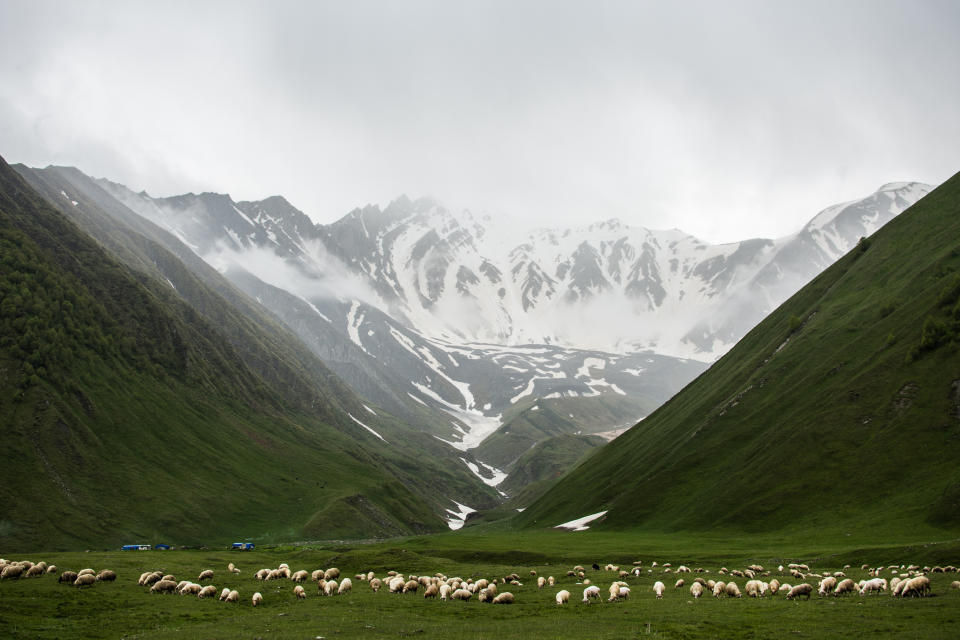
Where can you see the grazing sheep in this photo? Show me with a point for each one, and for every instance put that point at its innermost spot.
(541, 582)
(432, 591)
(168, 576)
(207, 592)
(551, 581)
(162, 586)
(679, 583)
(845, 586)
(192, 588)
(257, 598)
(803, 589)
(232, 569)
(563, 597)
(330, 588)
(106, 575)
(224, 593)
(503, 598)
(331, 574)
(719, 589)
(206, 575)
(34, 571)
(876, 584)
(484, 596)
(445, 591)
(411, 586)
(733, 591)
(86, 580)
(955, 584)
(67, 576)
(696, 589)
(614, 592)
(345, 585)
(299, 592)
(592, 591)
(774, 586)
(753, 588)
(300, 576)
(659, 588)
(11, 571)
(396, 585)
(375, 584)
(461, 594)
(316, 576)
(84, 572)
(918, 586)
(826, 586)
(233, 596)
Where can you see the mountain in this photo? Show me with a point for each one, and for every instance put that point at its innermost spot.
(838, 415)
(139, 402)
(448, 322)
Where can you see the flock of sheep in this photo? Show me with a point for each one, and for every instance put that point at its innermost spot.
(901, 581)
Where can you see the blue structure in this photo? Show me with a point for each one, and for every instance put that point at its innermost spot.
(243, 546)
(162, 547)
(135, 547)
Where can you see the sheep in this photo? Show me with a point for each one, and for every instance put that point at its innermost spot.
(592, 591)
(876, 584)
(461, 594)
(300, 576)
(330, 588)
(719, 589)
(182, 584)
(504, 598)
(84, 572)
(563, 596)
(162, 586)
(445, 591)
(917, 586)
(551, 581)
(846, 586)
(396, 585)
(232, 569)
(614, 591)
(299, 592)
(431, 591)
(11, 571)
(733, 591)
(67, 576)
(696, 589)
(233, 596)
(411, 586)
(710, 584)
(375, 584)
(34, 571)
(774, 586)
(345, 585)
(191, 588)
(257, 598)
(803, 589)
(753, 588)
(826, 586)
(331, 574)
(541, 581)
(207, 592)
(955, 584)
(206, 575)
(659, 588)
(679, 583)
(86, 580)
(316, 575)
(484, 596)
(224, 593)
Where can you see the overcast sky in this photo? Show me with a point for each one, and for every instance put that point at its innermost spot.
(725, 119)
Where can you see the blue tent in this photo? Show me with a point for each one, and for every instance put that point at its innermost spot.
(243, 546)
(162, 547)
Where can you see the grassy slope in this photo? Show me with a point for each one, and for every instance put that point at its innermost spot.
(127, 416)
(825, 415)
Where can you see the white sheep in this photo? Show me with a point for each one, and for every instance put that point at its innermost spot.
(433, 590)
(299, 592)
(563, 596)
(206, 575)
(331, 574)
(803, 589)
(232, 569)
(461, 594)
(719, 589)
(593, 591)
(696, 589)
(192, 588)
(330, 588)
(316, 576)
(541, 582)
(207, 592)
(257, 597)
(233, 596)
(345, 585)
(504, 598)
(445, 591)
(659, 588)
(300, 576)
(826, 586)
(733, 591)
(396, 584)
(845, 586)
(224, 593)
(679, 583)
(375, 584)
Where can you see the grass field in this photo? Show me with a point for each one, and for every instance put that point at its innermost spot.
(40, 607)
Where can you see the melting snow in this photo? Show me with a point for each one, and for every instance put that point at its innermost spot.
(369, 409)
(366, 427)
(580, 524)
(457, 518)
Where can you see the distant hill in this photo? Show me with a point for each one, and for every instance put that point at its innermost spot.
(839, 412)
(137, 404)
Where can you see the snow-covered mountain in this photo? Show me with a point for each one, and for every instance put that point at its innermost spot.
(449, 321)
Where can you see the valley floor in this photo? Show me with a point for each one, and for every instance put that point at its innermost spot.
(42, 608)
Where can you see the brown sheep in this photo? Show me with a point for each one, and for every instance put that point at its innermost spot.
(164, 586)
(86, 580)
(803, 589)
(67, 576)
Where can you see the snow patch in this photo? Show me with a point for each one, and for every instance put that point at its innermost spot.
(458, 517)
(580, 524)
(366, 427)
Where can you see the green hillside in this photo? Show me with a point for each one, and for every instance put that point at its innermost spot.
(127, 415)
(839, 412)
